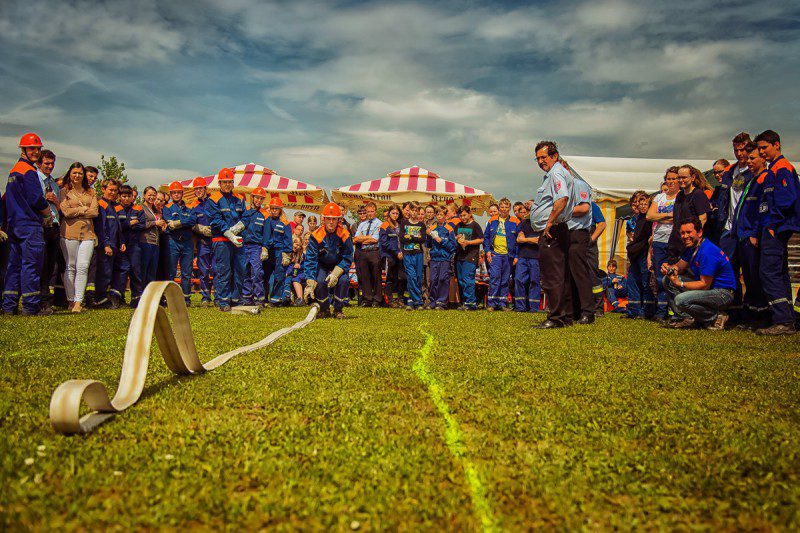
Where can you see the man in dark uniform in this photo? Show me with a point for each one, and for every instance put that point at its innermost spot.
(549, 214)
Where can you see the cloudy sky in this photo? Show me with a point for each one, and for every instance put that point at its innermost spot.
(341, 92)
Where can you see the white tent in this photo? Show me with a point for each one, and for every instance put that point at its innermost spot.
(619, 177)
(613, 180)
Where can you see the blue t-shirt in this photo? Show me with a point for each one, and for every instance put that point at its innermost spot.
(711, 261)
(597, 214)
(630, 225)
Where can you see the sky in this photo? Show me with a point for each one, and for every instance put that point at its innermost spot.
(336, 93)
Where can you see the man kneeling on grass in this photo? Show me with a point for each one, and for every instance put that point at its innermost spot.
(702, 297)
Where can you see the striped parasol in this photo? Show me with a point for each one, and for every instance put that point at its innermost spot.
(294, 194)
(412, 184)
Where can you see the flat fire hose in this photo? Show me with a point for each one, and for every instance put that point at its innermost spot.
(176, 345)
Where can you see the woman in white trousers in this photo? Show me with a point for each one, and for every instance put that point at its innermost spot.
(78, 205)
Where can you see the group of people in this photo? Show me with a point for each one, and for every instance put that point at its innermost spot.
(716, 256)
(690, 246)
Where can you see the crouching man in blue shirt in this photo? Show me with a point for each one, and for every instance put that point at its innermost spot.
(709, 290)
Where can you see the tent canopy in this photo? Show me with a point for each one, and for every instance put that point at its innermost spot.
(619, 177)
(412, 184)
(294, 194)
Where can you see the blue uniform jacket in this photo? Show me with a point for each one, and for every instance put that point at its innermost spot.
(722, 198)
(512, 227)
(280, 235)
(129, 235)
(783, 197)
(327, 250)
(389, 240)
(223, 211)
(441, 251)
(751, 214)
(106, 225)
(24, 197)
(255, 231)
(200, 216)
(185, 215)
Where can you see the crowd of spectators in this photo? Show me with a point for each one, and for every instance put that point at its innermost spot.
(697, 255)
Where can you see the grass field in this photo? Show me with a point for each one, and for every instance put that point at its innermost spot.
(409, 421)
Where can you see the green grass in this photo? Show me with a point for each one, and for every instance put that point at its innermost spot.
(621, 424)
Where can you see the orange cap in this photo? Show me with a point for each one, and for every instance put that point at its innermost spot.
(275, 201)
(226, 174)
(175, 186)
(332, 210)
(30, 140)
(258, 191)
(198, 182)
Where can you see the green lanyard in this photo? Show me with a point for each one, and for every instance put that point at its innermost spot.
(741, 200)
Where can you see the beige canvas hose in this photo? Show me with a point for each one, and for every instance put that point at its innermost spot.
(176, 342)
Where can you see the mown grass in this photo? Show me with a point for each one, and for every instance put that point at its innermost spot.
(621, 424)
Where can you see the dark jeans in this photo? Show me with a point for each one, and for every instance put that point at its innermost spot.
(640, 296)
(659, 258)
(368, 265)
(393, 268)
(703, 306)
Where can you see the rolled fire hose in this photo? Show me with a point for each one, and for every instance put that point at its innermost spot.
(176, 345)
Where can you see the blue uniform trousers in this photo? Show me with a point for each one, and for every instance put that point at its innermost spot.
(659, 258)
(640, 298)
(104, 274)
(274, 272)
(205, 264)
(527, 285)
(413, 267)
(775, 276)
(465, 272)
(499, 274)
(613, 293)
(730, 245)
(23, 274)
(229, 272)
(253, 286)
(439, 287)
(322, 293)
(182, 253)
(288, 274)
(754, 301)
(146, 256)
(127, 265)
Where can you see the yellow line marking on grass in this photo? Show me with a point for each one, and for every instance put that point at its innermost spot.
(453, 436)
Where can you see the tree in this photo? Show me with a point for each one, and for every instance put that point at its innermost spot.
(110, 169)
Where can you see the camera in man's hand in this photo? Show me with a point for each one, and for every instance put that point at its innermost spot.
(672, 271)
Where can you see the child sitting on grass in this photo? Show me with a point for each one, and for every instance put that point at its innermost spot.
(615, 287)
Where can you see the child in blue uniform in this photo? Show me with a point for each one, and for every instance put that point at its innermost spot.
(527, 278)
(442, 245)
(615, 287)
(255, 237)
(412, 237)
(131, 225)
(328, 258)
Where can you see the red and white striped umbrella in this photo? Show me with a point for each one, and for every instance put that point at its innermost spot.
(409, 185)
(295, 194)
